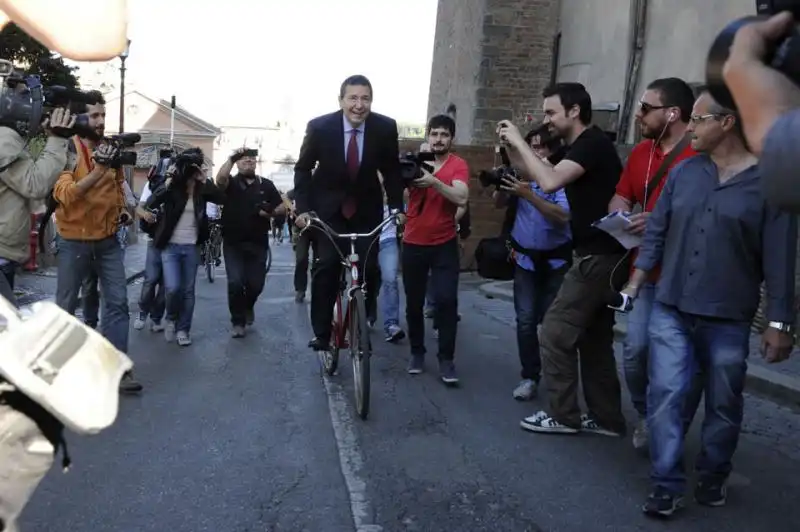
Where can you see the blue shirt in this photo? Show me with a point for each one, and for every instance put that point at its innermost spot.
(532, 230)
(348, 131)
(716, 242)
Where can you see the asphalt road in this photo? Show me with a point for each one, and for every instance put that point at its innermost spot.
(245, 435)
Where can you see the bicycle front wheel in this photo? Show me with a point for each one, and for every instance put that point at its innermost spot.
(209, 263)
(269, 259)
(360, 352)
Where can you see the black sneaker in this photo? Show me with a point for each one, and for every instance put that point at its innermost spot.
(662, 503)
(129, 385)
(711, 493)
(447, 372)
(416, 365)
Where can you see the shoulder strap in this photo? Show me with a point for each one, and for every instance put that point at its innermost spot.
(665, 164)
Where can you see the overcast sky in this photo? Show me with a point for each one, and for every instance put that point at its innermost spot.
(251, 62)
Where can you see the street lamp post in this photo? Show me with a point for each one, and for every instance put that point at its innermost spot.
(123, 56)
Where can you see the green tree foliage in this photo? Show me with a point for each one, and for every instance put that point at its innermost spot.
(32, 57)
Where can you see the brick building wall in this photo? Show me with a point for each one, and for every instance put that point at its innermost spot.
(491, 61)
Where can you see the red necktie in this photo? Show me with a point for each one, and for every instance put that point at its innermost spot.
(349, 203)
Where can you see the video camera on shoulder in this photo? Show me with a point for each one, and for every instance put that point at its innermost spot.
(411, 165)
(25, 103)
(783, 57)
(494, 177)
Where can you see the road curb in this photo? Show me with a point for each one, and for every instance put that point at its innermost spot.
(767, 383)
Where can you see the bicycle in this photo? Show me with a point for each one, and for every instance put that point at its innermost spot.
(212, 251)
(349, 327)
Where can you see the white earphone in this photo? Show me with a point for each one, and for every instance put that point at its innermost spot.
(672, 115)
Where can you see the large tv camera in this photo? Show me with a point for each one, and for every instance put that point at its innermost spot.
(784, 56)
(182, 165)
(25, 103)
(411, 165)
(494, 177)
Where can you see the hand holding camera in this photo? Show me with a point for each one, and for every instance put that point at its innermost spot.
(59, 123)
(509, 133)
(241, 153)
(105, 155)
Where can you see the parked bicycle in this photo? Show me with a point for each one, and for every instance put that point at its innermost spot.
(350, 322)
(211, 253)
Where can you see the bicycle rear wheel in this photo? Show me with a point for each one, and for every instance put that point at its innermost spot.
(360, 352)
(269, 259)
(211, 268)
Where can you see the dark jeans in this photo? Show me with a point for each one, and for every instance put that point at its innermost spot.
(77, 259)
(679, 345)
(301, 251)
(442, 262)
(7, 272)
(327, 271)
(534, 291)
(577, 340)
(180, 263)
(152, 301)
(246, 266)
(90, 300)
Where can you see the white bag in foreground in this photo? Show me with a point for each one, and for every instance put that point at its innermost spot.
(71, 370)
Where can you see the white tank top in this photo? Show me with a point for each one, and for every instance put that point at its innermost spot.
(186, 230)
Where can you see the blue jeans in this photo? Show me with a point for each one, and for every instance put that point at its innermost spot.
(91, 292)
(180, 262)
(679, 345)
(77, 260)
(152, 298)
(389, 259)
(635, 348)
(533, 293)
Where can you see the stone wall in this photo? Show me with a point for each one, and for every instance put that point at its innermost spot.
(491, 61)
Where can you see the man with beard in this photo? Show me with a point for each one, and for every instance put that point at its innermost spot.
(250, 203)
(91, 201)
(577, 337)
(430, 246)
(663, 115)
(336, 176)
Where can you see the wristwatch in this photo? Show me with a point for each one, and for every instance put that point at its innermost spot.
(782, 327)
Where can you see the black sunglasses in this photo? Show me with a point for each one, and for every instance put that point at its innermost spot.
(645, 107)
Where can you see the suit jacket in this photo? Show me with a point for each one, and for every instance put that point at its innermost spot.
(321, 181)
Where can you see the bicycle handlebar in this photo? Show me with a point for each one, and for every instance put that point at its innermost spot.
(314, 219)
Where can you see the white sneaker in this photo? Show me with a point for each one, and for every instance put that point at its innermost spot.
(588, 424)
(156, 327)
(139, 322)
(641, 436)
(525, 390)
(184, 339)
(169, 330)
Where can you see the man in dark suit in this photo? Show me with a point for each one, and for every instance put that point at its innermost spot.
(336, 176)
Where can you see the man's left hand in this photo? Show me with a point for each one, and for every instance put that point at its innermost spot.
(776, 346)
(514, 186)
(638, 223)
(401, 219)
(427, 180)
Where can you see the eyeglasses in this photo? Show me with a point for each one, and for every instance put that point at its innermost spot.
(696, 119)
(645, 107)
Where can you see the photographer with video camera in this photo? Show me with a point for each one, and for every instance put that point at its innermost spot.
(22, 179)
(760, 78)
(577, 338)
(430, 245)
(536, 228)
(91, 207)
(179, 235)
(250, 203)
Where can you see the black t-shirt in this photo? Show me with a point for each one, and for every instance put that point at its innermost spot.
(590, 194)
(240, 219)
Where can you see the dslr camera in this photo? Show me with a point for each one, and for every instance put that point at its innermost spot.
(784, 55)
(25, 103)
(185, 164)
(411, 165)
(494, 177)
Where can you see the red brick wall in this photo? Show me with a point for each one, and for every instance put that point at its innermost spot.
(491, 59)
(486, 220)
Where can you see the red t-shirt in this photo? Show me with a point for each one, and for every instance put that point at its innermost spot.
(636, 174)
(431, 219)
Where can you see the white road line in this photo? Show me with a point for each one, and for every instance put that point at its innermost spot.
(350, 459)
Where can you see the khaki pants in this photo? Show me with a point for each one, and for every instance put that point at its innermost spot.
(577, 340)
(25, 458)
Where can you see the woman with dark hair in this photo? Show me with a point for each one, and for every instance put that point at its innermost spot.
(179, 235)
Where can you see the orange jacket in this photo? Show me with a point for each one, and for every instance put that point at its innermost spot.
(92, 215)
